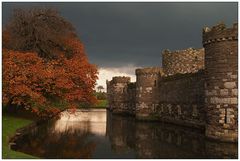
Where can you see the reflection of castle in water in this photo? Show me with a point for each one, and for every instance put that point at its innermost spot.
(123, 137)
(151, 140)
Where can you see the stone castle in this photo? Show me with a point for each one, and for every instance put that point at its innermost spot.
(194, 87)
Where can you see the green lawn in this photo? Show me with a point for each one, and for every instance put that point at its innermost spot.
(101, 104)
(9, 126)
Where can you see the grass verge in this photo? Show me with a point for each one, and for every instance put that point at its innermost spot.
(9, 126)
(101, 104)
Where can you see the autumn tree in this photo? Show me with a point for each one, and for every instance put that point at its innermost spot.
(41, 30)
(45, 72)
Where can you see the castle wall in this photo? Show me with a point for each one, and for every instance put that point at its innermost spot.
(121, 95)
(147, 91)
(117, 92)
(182, 61)
(194, 88)
(181, 99)
(221, 59)
(131, 98)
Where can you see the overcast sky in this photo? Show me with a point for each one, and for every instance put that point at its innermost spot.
(119, 37)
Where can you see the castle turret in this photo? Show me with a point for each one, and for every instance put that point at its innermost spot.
(221, 65)
(147, 92)
(182, 61)
(117, 94)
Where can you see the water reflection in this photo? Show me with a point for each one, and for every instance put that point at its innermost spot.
(93, 134)
(93, 121)
(158, 140)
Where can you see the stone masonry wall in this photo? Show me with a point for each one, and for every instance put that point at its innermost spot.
(221, 89)
(121, 95)
(147, 91)
(181, 99)
(182, 61)
(131, 98)
(117, 92)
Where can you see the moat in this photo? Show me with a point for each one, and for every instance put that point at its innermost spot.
(97, 133)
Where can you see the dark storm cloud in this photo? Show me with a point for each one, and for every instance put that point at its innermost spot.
(118, 34)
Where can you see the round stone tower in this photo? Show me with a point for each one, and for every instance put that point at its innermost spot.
(221, 67)
(117, 93)
(182, 61)
(147, 92)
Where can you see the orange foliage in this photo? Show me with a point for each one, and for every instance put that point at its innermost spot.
(33, 83)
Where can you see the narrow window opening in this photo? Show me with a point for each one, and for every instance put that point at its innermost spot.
(155, 83)
(225, 118)
(154, 108)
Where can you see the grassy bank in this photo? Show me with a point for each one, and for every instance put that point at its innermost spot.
(9, 126)
(101, 104)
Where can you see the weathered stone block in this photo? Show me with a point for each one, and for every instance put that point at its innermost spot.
(216, 87)
(233, 101)
(210, 93)
(230, 85)
(216, 100)
(235, 92)
(149, 89)
(223, 92)
(233, 76)
(226, 126)
(221, 121)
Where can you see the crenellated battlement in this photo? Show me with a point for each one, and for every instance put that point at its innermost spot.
(220, 33)
(120, 79)
(188, 50)
(182, 61)
(149, 71)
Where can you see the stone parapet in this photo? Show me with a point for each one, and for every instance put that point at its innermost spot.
(182, 61)
(120, 79)
(219, 33)
(149, 71)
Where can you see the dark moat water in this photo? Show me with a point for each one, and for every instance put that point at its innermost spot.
(99, 134)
